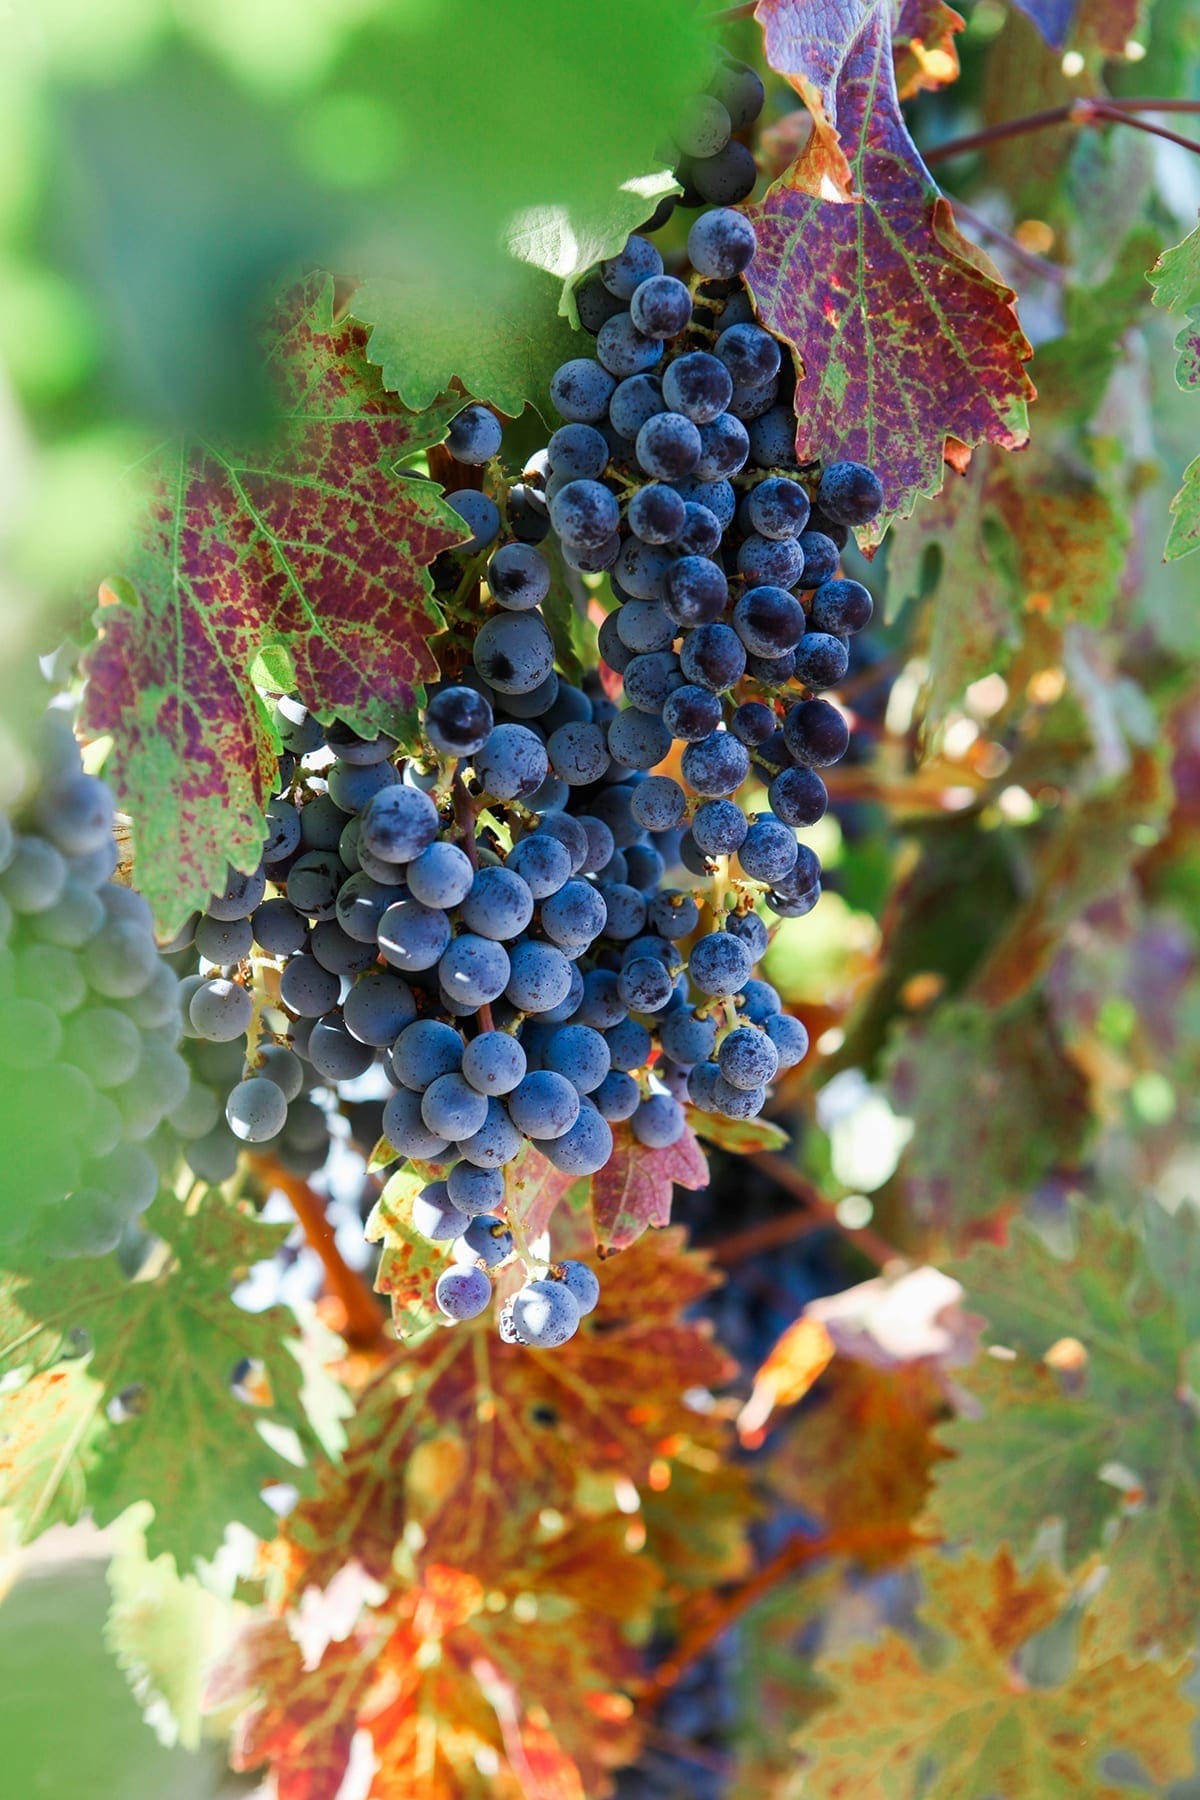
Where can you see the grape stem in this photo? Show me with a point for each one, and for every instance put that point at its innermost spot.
(1082, 111)
(464, 818)
(364, 1327)
(817, 1209)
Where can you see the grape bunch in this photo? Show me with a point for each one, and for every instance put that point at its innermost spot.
(89, 1024)
(544, 920)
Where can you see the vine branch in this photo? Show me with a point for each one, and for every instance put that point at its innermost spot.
(818, 1210)
(364, 1327)
(1072, 112)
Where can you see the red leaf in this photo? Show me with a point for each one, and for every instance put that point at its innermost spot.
(904, 337)
(312, 549)
(634, 1188)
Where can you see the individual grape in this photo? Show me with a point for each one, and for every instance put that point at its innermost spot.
(769, 621)
(650, 678)
(821, 660)
(299, 732)
(338, 952)
(499, 904)
(352, 786)
(634, 401)
(584, 513)
(821, 558)
(221, 942)
(841, 608)
(638, 739)
(737, 1103)
(452, 1108)
(544, 1314)
(618, 1097)
(798, 797)
(773, 562)
(458, 720)
(673, 915)
(435, 1215)
(695, 591)
(624, 350)
(481, 516)
(398, 824)
(747, 1058)
(702, 531)
(816, 733)
(282, 1066)
(750, 403)
(578, 754)
(724, 447)
(698, 386)
(719, 964)
(413, 937)
(76, 813)
(75, 916)
(283, 831)
(753, 933)
(221, 1010)
(542, 863)
(423, 1051)
(474, 970)
(600, 845)
(713, 657)
(719, 828)
(656, 513)
(52, 975)
(313, 882)
(797, 908)
(512, 763)
(585, 1148)
(335, 1052)
(740, 91)
(645, 627)
(751, 354)
(639, 261)
(773, 438)
(771, 671)
(687, 1038)
(669, 445)
(544, 1104)
(494, 1063)
(539, 976)
(580, 390)
(580, 1054)
(528, 515)
(726, 177)
(661, 307)
(629, 1043)
(659, 803)
(704, 126)
(701, 1083)
(348, 746)
(407, 1133)
(322, 823)
(475, 435)
(462, 1292)
(486, 1239)
(778, 508)
(568, 1005)
(645, 864)
(514, 652)
(753, 723)
(721, 244)
(849, 494)
(691, 713)
(577, 453)
(575, 915)
(595, 302)
(645, 985)
(717, 765)
(611, 649)
(581, 1281)
(35, 877)
(256, 1110)
(474, 1190)
(760, 1001)
(659, 1122)
(378, 1007)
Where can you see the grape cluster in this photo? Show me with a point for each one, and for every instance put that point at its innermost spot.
(89, 1024)
(545, 920)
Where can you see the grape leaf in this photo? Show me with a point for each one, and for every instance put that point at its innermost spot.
(48, 1431)
(502, 346)
(1175, 279)
(994, 1103)
(165, 1348)
(634, 1188)
(1028, 534)
(1184, 535)
(968, 1727)
(863, 1450)
(313, 548)
(533, 1188)
(473, 1436)
(1089, 1425)
(409, 1263)
(906, 344)
(741, 1137)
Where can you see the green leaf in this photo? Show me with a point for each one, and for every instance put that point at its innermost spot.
(409, 1263)
(1175, 279)
(1184, 534)
(312, 544)
(165, 1349)
(48, 1433)
(1088, 1425)
(741, 1137)
(565, 610)
(502, 344)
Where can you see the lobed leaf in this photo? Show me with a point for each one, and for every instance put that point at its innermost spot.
(312, 548)
(635, 1187)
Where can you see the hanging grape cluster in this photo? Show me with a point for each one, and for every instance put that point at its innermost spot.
(90, 1021)
(546, 920)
